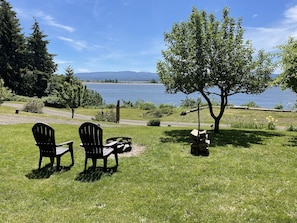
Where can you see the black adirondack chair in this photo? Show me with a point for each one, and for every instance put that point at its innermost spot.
(45, 139)
(91, 135)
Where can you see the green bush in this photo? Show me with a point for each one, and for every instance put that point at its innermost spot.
(188, 103)
(108, 116)
(166, 109)
(20, 98)
(144, 105)
(291, 128)
(55, 102)
(34, 106)
(154, 122)
(127, 104)
(279, 106)
(251, 104)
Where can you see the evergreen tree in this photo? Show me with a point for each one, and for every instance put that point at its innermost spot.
(12, 47)
(40, 63)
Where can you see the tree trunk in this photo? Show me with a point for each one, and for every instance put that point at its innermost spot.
(72, 112)
(217, 125)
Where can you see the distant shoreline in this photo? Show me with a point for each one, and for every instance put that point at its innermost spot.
(123, 82)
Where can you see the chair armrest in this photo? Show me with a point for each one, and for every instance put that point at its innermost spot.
(111, 144)
(65, 143)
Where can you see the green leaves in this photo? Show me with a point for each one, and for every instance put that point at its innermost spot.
(204, 53)
(25, 64)
(288, 59)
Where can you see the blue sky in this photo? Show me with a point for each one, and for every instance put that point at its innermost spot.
(121, 35)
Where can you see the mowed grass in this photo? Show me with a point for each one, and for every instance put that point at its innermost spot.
(250, 176)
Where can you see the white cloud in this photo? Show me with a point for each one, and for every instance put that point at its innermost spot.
(77, 44)
(49, 20)
(268, 38)
(291, 14)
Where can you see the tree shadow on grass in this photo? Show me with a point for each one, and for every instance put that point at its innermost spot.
(94, 174)
(292, 141)
(234, 137)
(46, 171)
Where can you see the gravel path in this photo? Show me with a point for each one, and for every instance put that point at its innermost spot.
(61, 117)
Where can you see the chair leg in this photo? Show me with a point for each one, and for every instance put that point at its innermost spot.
(52, 161)
(116, 158)
(86, 162)
(94, 163)
(105, 164)
(58, 162)
(72, 157)
(71, 153)
(39, 163)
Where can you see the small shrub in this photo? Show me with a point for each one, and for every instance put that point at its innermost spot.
(54, 102)
(188, 103)
(20, 98)
(153, 114)
(127, 104)
(110, 106)
(251, 104)
(291, 128)
(166, 109)
(34, 106)
(144, 105)
(108, 116)
(247, 124)
(271, 122)
(154, 122)
(279, 106)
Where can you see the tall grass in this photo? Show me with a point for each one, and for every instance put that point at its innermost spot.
(250, 176)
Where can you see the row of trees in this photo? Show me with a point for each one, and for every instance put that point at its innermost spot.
(28, 69)
(210, 57)
(25, 64)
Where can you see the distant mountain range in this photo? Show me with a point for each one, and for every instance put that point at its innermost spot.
(120, 76)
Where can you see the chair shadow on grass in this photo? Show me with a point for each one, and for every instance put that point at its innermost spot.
(234, 137)
(46, 171)
(94, 174)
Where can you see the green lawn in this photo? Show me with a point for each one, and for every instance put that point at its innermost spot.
(250, 176)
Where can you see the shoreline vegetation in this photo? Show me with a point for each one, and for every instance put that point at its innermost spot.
(121, 82)
(252, 105)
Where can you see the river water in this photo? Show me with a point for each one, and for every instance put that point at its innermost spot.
(155, 93)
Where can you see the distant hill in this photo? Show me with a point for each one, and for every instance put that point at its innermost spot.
(119, 76)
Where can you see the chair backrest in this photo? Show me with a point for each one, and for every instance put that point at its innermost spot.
(44, 136)
(91, 138)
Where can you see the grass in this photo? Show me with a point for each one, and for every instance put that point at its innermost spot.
(250, 176)
(244, 117)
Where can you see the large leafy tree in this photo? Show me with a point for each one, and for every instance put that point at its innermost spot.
(210, 57)
(288, 59)
(12, 47)
(40, 63)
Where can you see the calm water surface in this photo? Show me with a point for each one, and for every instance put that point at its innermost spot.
(156, 94)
